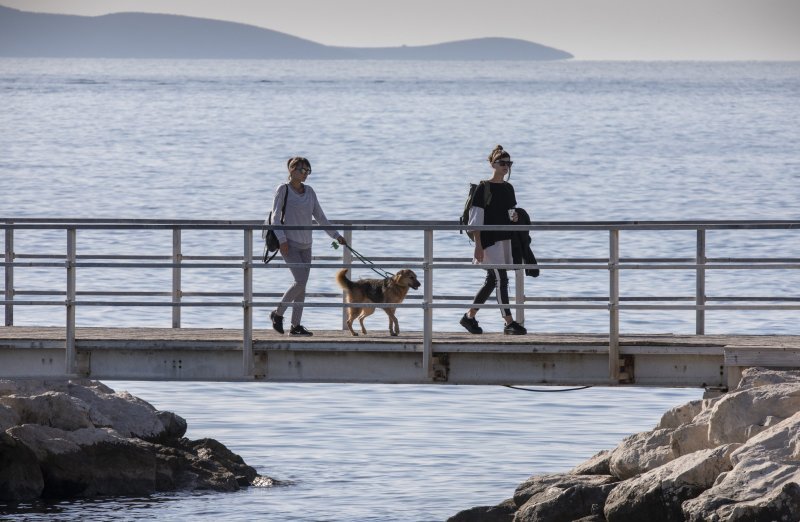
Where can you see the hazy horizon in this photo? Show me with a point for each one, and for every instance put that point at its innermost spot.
(589, 29)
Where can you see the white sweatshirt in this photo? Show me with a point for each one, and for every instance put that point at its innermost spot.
(300, 208)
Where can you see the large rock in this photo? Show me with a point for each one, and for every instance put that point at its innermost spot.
(503, 512)
(641, 452)
(656, 496)
(733, 458)
(680, 415)
(81, 439)
(20, 476)
(570, 500)
(8, 417)
(741, 414)
(90, 461)
(596, 465)
(763, 482)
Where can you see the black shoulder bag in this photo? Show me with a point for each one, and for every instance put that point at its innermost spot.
(271, 243)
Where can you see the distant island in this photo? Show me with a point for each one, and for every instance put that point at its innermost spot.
(141, 35)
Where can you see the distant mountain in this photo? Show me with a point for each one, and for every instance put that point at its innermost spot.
(142, 35)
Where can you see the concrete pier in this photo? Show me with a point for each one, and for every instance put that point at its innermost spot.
(200, 354)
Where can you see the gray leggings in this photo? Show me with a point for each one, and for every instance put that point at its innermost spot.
(297, 292)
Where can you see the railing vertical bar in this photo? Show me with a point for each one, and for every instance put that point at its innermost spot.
(176, 277)
(347, 259)
(71, 353)
(247, 305)
(9, 276)
(519, 298)
(613, 306)
(700, 299)
(427, 312)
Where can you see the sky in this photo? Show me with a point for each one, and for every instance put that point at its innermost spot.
(589, 29)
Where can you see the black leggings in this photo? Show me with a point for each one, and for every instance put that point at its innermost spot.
(496, 279)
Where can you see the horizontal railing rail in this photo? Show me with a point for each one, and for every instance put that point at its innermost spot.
(427, 264)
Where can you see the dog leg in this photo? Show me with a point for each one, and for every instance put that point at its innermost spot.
(394, 326)
(351, 314)
(365, 312)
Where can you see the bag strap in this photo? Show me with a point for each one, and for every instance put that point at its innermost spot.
(283, 219)
(283, 209)
(487, 193)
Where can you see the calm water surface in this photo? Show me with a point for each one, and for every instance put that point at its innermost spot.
(399, 140)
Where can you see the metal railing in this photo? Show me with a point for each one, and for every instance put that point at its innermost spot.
(176, 261)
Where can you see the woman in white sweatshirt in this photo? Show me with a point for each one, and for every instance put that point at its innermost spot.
(301, 206)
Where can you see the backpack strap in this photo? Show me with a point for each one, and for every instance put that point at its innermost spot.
(487, 192)
(283, 208)
(267, 257)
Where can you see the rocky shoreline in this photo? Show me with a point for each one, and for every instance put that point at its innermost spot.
(732, 458)
(74, 439)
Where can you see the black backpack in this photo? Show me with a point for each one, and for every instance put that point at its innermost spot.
(487, 198)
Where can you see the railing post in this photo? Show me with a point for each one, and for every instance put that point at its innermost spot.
(71, 353)
(347, 259)
(700, 295)
(247, 305)
(9, 273)
(519, 297)
(427, 311)
(176, 277)
(613, 306)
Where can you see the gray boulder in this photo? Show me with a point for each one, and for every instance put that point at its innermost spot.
(763, 482)
(503, 512)
(573, 500)
(596, 465)
(81, 439)
(731, 458)
(656, 496)
(20, 476)
(561, 496)
(89, 462)
(641, 452)
(741, 414)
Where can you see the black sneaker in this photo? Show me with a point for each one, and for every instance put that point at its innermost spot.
(514, 328)
(299, 330)
(471, 324)
(277, 322)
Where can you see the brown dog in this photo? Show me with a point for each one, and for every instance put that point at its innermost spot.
(390, 290)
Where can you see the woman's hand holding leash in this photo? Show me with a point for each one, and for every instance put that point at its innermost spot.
(284, 248)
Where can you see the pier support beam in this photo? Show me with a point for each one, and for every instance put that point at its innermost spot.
(9, 273)
(247, 306)
(700, 294)
(176, 277)
(71, 357)
(613, 306)
(427, 311)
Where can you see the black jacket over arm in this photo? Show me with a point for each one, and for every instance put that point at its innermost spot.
(521, 245)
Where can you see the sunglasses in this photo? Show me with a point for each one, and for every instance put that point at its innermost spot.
(305, 170)
(504, 163)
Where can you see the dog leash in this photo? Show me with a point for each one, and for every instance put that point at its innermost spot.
(383, 273)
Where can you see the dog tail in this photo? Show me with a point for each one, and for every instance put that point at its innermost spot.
(341, 279)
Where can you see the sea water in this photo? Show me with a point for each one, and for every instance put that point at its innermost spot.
(591, 141)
